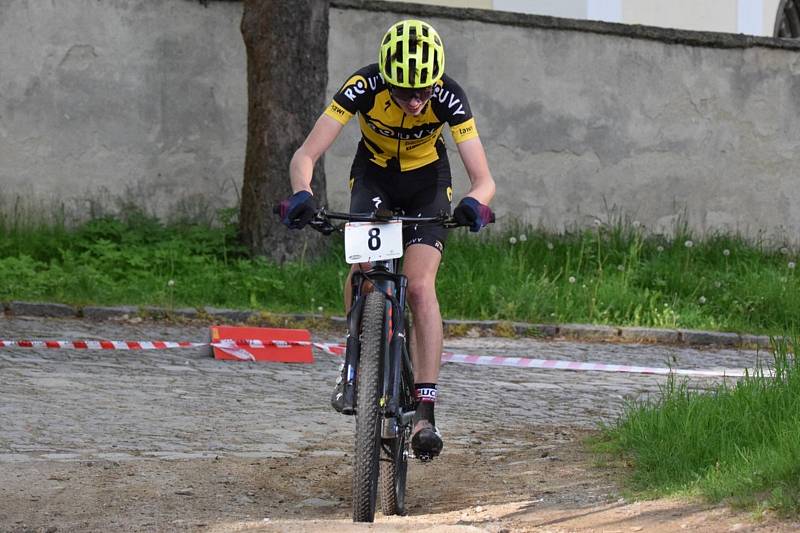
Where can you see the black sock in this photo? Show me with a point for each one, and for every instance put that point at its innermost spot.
(426, 400)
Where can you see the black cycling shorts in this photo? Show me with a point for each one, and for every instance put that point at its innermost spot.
(425, 192)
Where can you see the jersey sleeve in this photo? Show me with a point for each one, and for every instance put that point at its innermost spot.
(452, 106)
(353, 96)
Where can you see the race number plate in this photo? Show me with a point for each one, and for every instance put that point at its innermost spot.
(371, 241)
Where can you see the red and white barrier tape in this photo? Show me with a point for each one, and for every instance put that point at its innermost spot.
(552, 364)
(231, 346)
(101, 345)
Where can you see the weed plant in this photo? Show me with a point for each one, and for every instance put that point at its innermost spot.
(736, 443)
(605, 275)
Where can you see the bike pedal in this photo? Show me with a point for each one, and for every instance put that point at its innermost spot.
(424, 457)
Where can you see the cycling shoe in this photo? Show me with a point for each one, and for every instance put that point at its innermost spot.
(427, 443)
(337, 398)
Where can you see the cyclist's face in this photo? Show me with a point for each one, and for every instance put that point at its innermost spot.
(411, 101)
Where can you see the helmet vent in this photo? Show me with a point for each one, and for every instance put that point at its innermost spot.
(412, 70)
(425, 52)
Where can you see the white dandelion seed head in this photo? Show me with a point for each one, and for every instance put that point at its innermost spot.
(659, 248)
(572, 279)
(171, 283)
(597, 223)
(523, 238)
(320, 308)
(688, 244)
(785, 251)
(636, 223)
(791, 265)
(702, 300)
(718, 284)
(550, 246)
(512, 240)
(726, 252)
(621, 268)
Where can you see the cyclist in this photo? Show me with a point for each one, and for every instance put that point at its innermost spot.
(403, 102)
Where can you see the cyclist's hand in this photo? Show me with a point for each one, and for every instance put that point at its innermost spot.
(297, 210)
(470, 212)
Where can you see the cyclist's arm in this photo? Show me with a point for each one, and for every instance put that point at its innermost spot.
(474, 158)
(321, 137)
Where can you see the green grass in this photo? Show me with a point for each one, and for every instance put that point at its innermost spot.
(609, 275)
(736, 443)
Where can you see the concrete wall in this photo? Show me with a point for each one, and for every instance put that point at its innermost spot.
(121, 102)
(581, 125)
(581, 120)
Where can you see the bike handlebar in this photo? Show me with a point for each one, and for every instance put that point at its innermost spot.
(322, 219)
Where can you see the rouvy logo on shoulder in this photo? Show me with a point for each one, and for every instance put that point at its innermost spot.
(359, 86)
(354, 90)
(449, 99)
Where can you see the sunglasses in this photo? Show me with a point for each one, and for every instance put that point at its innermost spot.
(406, 95)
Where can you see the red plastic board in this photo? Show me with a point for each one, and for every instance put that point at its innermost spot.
(282, 354)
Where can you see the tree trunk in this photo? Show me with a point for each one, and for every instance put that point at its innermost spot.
(287, 75)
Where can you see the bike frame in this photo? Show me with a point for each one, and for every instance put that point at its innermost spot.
(383, 277)
(388, 378)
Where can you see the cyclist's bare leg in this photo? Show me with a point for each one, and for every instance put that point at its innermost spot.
(420, 265)
(348, 287)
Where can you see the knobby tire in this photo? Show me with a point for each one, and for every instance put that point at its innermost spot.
(394, 459)
(394, 468)
(368, 412)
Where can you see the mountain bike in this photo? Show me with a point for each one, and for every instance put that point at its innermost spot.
(378, 378)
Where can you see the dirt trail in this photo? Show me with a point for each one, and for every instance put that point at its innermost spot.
(175, 441)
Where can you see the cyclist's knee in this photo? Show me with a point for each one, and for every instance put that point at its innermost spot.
(421, 294)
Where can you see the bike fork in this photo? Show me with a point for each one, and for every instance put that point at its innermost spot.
(353, 349)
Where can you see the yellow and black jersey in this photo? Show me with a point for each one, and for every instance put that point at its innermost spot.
(393, 139)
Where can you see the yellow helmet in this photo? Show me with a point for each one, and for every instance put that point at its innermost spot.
(411, 55)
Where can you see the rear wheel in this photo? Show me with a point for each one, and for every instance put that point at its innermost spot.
(394, 457)
(368, 412)
(394, 467)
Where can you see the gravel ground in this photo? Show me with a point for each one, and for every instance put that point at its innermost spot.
(177, 441)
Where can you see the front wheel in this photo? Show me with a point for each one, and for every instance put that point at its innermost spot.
(368, 411)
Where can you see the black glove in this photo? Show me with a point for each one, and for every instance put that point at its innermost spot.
(470, 212)
(297, 210)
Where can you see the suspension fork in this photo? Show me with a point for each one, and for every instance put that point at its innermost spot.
(396, 349)
(384, 281)
(353, 349)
